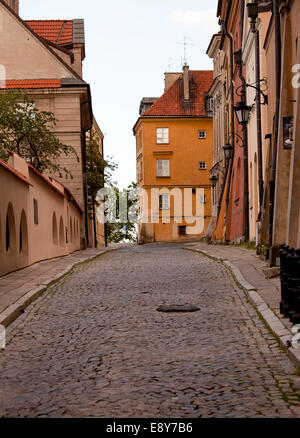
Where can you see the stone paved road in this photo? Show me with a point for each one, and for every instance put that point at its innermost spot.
(94, 345)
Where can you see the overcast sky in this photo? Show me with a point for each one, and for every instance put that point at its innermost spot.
(129, 46)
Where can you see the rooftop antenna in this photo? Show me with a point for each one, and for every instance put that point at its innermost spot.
(185, 44)
(172, 65)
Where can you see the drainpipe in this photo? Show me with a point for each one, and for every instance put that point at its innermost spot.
(222, 193)
(228, 168)
(103, 184)
(245, 130)
(93, 203)
(85, 189)
(276, 19)
(227, 34)
(245, 149)
(258, 116)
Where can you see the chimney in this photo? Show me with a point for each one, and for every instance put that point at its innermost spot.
(170, 78)
(186, 86)
(14, 5)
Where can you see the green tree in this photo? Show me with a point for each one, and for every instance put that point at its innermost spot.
(123, 229)
(95, 165)
(28, 132)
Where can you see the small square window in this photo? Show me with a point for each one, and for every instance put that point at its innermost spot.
(202, 165)
(201, 134)
(162, 135)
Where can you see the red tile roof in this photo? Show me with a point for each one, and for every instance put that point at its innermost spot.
(57, 31)
(32, 83)
(172, 103)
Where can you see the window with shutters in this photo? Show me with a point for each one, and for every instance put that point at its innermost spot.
(162, 135)
(163, 168)
(164, 202)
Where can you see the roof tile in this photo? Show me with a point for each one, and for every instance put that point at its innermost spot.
(57, 31)
(171, 103)
(31, 83)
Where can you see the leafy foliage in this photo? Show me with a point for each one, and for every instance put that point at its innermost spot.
(95, 165)
(123, 229)
(28, 132)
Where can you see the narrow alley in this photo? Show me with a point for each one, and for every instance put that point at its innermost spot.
(94, 345)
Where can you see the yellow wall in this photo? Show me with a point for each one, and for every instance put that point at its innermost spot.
(184, 151)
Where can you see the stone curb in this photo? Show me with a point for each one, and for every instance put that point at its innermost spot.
(273, 322)
(12, 312)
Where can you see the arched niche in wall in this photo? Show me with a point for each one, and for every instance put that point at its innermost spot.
(71, 230)
(23, 234)
(238, 179)
(54, 229)
(255, 186)
(10, 238)
(61, 232)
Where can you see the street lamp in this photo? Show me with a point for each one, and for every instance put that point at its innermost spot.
(228, 151)
(213, 181)
(253, 11)
(242, 112)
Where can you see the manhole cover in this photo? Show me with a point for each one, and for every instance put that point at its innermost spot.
(178, 308)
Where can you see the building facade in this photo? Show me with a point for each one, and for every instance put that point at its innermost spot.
(174, 154)
(256, 66)
(43, 59)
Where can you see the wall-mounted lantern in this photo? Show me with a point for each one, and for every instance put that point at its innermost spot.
(242, 112)
(228, 151)
(213, 181)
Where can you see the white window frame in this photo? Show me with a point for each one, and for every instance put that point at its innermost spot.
(200, 165)
(162, 135)
(165, 201)
(163, 168)
(200, 136)
(203, 199)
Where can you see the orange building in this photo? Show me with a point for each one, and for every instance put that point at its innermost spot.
(174, 140)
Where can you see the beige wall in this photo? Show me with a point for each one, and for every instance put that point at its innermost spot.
(288, 107)
(249, 60)
(23, 55)
(39, 238)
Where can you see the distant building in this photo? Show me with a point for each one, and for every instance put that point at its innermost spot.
(174, 141)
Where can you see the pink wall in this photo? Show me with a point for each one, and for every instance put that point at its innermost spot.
(235, 220)
(42, 220)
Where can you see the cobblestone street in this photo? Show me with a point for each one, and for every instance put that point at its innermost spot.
(94, 345)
